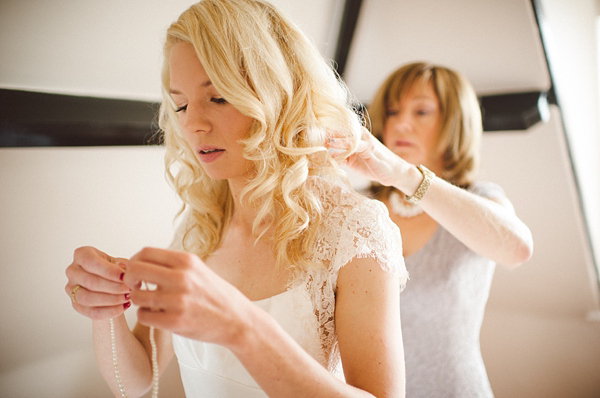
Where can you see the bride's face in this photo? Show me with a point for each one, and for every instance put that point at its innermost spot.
(212, 126)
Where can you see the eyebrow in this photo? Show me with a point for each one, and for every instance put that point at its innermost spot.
(207, 83)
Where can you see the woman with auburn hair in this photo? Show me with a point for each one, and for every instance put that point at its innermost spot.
(454, 228)
(281, 280)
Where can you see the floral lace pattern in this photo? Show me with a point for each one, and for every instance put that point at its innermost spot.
(354, 227)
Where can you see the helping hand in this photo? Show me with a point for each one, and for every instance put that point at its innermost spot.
(372, 158)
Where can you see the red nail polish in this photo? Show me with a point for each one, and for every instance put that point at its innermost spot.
(127, 305)
(127, 296)
(122, 275)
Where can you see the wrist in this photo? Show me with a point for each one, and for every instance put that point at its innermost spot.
(245, 332)
(427, 178)
(254, 335)
(408, 178)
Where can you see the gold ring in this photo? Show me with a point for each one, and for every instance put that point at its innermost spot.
(75, 289)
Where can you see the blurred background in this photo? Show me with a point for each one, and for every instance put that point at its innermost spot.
(79, 81)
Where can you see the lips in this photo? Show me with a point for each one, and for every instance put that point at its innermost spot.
(208, 151)
(209, 154)
(402, 143)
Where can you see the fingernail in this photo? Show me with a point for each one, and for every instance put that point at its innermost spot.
(127, 296)
(122, 275)
(127, 305)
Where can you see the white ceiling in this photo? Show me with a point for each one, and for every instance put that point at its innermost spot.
(493, 43)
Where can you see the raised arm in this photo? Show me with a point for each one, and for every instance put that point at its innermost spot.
(488, 227)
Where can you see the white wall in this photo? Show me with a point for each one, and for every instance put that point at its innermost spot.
(53, 200)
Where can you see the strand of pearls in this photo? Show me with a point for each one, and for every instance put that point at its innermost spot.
(154, 364)
(113, 343)
(403, 208)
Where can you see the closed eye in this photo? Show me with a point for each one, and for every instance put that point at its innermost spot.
(217, 100)
(181, 108)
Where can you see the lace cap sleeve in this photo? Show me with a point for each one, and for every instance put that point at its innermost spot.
(368, 231)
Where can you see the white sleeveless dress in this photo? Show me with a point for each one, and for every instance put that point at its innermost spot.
(353, 226)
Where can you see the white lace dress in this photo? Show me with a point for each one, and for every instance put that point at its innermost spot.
(354, 227)
(442, 312)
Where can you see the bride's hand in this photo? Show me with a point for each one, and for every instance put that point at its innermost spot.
(95, 284)
(189, 298)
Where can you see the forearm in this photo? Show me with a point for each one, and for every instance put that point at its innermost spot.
(281, 367)
(488, 228)
(134, 363)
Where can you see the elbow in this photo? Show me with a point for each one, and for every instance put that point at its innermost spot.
(522, 252)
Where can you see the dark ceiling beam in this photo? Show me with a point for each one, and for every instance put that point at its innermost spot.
(514, 111)
(33, 119)
(346, 33)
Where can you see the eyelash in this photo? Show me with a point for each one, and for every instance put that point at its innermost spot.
(219, 101)
(420, 112)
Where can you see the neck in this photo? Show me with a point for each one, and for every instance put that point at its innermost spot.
(243, 216)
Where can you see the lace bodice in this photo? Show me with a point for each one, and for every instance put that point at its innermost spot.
(353, 226)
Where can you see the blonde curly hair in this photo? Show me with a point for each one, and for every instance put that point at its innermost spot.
(264, 66)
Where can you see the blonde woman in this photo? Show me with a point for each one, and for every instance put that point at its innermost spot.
(281, 280)
(454, 228)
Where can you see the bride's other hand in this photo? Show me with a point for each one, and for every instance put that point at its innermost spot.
(189, 299)
(95, 284)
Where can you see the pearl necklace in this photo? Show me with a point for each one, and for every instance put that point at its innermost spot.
(116, 366)
(402, 208)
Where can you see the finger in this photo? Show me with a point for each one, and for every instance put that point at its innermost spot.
(140, 273)
(334, 134)
(89, 298)
(366, 134)
(166, 258)
(79, 276)
(169, 314)
(98, 263)
(150, 299)
(338, 143)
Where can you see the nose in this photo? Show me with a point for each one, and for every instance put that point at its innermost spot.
(195, 120)
(400, 122)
